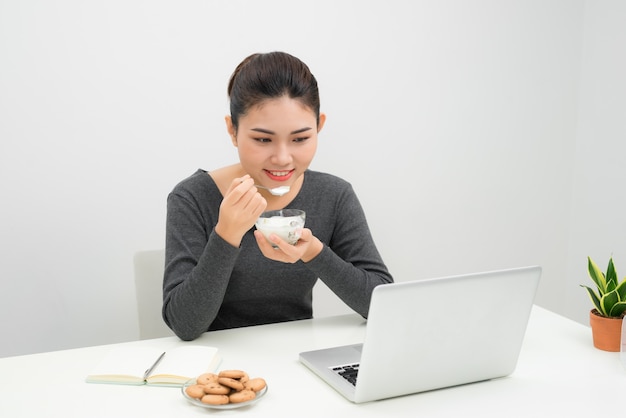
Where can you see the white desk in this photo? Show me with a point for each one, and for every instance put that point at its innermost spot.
(559, 373)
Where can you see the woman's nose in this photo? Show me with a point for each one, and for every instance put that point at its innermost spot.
(281, 156)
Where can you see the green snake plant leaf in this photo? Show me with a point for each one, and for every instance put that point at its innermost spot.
(608, 301)
(594, 298)
(618, 309)
(611, 277)
(611, 274)
(621, 290)
(597, 276)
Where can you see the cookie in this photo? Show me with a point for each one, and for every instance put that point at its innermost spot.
(233, 374)
(242, 396)
(215, 388)
(195, 391)
(206, 378)
(231, 383)
(244, 378)
(215, 399)
(256, 384)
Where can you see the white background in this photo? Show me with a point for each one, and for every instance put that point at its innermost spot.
(478, 135)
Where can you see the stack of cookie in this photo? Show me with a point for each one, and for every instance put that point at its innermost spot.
(228, 386)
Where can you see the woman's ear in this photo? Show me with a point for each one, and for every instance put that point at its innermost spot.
(231, 129)
(322, 120)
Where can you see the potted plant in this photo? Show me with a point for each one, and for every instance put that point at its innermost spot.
(609, 299)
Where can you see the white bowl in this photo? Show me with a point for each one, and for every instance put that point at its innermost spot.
(286, 223)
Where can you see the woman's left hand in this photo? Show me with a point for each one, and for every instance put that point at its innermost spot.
(307, 247)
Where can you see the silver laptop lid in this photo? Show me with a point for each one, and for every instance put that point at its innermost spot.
(429, 334)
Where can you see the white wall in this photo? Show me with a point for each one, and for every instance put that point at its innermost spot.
(598, 208)
(459, 124)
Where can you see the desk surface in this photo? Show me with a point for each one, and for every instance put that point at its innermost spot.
(558, 372)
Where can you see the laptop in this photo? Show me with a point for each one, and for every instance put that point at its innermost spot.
(430, 334)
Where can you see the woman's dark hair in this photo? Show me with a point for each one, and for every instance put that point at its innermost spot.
(271, 75)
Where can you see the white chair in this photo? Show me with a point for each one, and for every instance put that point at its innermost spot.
(149, 267)
(326, 303)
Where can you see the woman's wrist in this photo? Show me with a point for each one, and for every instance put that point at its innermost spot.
(315, 248)
(233, 239)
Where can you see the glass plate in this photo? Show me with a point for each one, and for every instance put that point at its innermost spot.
(259, 395)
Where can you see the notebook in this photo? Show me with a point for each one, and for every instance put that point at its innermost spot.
(435, 333)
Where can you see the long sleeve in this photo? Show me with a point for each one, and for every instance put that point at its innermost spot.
(198, 268)
(350, 264)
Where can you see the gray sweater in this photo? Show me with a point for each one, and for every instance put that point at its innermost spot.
(210, 285)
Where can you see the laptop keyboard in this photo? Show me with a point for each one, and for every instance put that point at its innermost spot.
(348, 372)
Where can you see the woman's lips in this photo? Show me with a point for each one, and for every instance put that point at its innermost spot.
(279, 175)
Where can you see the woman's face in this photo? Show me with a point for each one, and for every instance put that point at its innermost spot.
(276, 141)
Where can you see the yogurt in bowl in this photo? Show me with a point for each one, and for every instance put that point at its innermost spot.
(286, 223)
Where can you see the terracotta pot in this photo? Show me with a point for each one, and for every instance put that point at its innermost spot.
(607, 332)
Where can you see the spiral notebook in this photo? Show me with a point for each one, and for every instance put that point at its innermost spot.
(431, 334)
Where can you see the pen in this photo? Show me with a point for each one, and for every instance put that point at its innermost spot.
(147, 373)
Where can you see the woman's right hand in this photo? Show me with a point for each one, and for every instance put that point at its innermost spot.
(239, 210)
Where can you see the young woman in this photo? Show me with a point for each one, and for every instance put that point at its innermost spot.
(222, 273)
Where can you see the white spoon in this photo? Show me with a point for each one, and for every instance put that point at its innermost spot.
(276, 191)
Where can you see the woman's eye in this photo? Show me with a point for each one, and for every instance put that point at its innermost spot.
(301, 139)
(263, 140)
